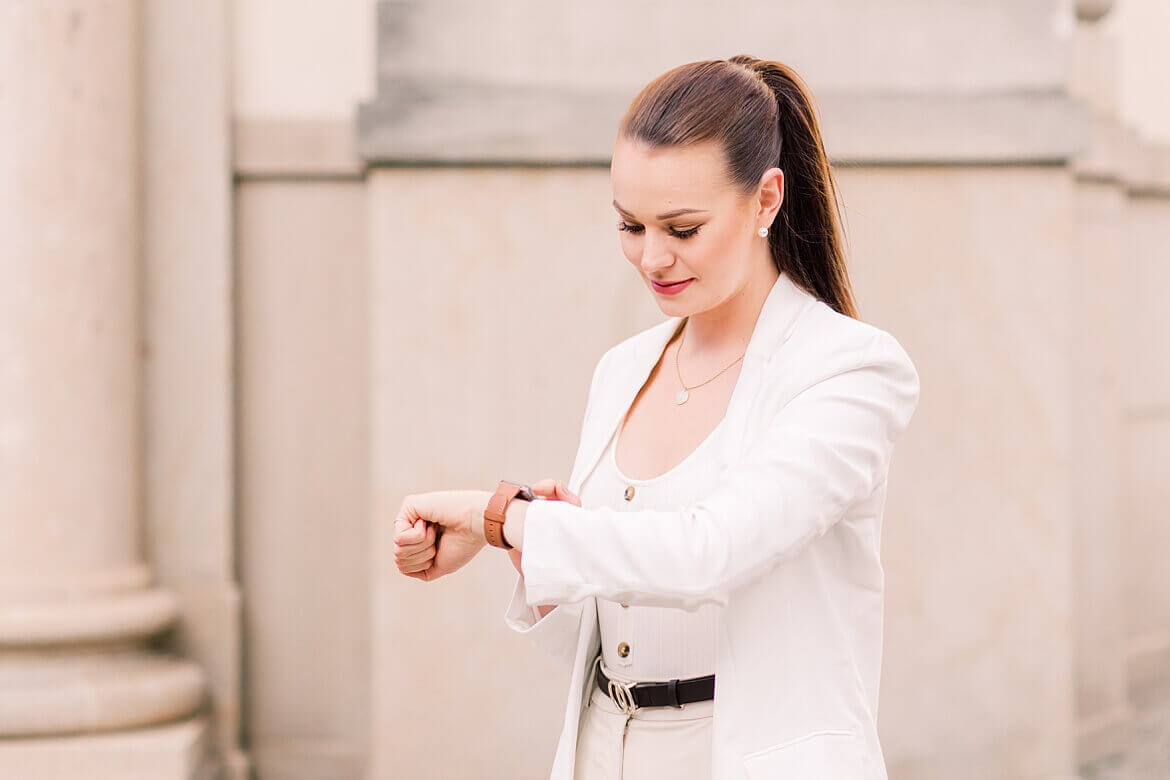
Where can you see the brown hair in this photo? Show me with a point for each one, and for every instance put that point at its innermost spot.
(762, 115)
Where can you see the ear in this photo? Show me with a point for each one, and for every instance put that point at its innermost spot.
(771, 195)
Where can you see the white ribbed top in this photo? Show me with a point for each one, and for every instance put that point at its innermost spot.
(664, 642)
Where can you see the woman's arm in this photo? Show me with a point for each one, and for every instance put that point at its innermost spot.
(825, 450)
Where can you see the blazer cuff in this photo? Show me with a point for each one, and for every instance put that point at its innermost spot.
(555, 633)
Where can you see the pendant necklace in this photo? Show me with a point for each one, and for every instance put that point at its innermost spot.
(684, 394)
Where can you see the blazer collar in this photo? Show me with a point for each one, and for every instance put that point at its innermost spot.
(784, 303)
(631, 368)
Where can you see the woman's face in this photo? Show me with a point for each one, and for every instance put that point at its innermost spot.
(680, 219)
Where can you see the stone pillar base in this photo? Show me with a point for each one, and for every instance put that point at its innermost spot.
(57, 691)
(176, 751)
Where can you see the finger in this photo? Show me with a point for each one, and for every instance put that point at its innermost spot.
(412, 534)
(564, 494)
(403, 554)
(412, 561)
(545, 488)
(426, 535)
(408, 521)
(554, 489)
(420, 575)
(409, 564)
(402, 551)
(427, 570)
(402, 525)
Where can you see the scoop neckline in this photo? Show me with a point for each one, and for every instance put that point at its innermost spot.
(690, 455)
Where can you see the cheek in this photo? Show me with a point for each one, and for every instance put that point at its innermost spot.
(631, 248)
(706, 251)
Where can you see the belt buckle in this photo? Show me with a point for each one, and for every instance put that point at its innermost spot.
(622, 695)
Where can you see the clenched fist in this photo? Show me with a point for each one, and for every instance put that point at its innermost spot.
(437, 533)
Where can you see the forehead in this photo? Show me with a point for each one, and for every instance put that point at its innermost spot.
(654, 179)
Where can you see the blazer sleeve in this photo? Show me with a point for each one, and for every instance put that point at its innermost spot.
(556, 633)
(824, 450)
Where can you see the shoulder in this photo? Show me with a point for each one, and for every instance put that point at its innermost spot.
(824, 342)
(825, 331)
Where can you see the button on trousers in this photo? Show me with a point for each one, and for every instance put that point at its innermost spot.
(651, 744)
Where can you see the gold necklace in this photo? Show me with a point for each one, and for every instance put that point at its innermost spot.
(684, 394)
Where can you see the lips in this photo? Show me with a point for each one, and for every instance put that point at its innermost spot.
(670, 288)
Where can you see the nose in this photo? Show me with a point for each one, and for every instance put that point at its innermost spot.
(655, 257)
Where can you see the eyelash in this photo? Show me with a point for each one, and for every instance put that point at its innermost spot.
(635, 229)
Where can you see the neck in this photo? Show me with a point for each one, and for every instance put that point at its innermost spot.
(724, 331)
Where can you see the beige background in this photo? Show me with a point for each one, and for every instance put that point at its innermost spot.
(249, 302)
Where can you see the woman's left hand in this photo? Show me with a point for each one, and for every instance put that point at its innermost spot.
(457, 537)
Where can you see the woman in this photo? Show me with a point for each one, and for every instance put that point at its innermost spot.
(732, 467)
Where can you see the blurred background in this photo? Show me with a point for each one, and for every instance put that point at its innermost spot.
(262, 265)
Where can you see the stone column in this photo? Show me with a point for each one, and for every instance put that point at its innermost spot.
(77, 605)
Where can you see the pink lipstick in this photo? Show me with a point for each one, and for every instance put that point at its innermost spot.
(671, 289)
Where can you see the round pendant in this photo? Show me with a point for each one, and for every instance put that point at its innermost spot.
(681, 398)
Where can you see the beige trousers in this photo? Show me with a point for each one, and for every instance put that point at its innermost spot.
(651, 744)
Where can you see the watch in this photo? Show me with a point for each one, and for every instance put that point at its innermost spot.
(497, 506)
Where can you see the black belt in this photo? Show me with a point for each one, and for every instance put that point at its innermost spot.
(673, 693)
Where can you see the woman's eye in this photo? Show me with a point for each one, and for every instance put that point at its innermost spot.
(623, 225)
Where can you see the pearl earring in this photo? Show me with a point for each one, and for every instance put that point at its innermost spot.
(763, 232)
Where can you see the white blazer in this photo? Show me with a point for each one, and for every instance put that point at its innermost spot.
(787, 543)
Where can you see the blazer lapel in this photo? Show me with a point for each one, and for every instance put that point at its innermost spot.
(631, 367)
(617, 390)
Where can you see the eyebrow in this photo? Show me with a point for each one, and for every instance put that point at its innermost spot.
(665, 214)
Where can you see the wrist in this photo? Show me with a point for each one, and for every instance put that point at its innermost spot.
(514, 523)
(476, 522)
(516, 556)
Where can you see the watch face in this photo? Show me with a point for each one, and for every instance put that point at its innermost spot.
(525, 492)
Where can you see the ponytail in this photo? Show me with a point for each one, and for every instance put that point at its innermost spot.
(763, 116)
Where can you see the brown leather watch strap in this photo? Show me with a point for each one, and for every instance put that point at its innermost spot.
(494, 514)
